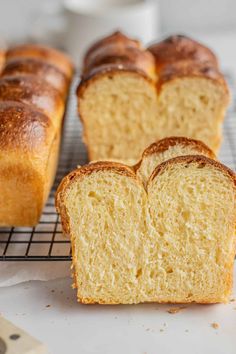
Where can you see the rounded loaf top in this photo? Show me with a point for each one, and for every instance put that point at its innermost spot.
(127, 56)
(34, 91)
(116, 40)
(180, 47)
(50, 55)
(34, 66)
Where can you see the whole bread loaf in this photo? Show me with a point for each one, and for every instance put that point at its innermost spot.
(130, 97)
(166, 234)
(33, 88)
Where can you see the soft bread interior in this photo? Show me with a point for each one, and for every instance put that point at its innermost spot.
(174, 242)
(191, 241)
(107, 222)
(116, 109)
(193, 107)
(123, 113)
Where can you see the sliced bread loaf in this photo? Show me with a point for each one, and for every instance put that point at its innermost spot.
(130, 97)
(170, 240)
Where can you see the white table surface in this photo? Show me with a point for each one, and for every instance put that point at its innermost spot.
(49, 311)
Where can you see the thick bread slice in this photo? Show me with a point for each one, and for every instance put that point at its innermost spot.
(172, 242)
(166, 149)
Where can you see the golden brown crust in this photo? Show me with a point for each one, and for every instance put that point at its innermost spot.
(134, 57)
(188, 68)
(164, 144)
(48, 54)
(115, 40)
(201, 160)
(32, 103)
(23, 128)
(34, 66)
(2, 60)
(179, 47)
(118, 49)
(108, 71)
(34, 91)
(92, 167)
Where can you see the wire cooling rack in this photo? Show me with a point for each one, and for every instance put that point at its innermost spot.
(45, 242)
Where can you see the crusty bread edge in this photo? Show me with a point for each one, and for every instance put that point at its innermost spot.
(164, 144)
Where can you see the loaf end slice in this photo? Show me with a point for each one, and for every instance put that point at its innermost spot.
(193, 212)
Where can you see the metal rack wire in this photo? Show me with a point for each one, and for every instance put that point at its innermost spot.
(45, 241)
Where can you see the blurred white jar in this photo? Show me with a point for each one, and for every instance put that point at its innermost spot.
(81, 22)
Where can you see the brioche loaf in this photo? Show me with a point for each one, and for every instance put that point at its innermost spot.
(129, 97)
(170, 238)
(31, 113)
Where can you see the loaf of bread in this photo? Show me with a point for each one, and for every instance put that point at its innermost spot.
(130, 97)
(33, 89)
(166, 238)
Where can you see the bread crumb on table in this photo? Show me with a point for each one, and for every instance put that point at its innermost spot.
(215, 325)
(174, 310)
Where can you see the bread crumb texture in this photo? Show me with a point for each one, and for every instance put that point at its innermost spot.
(170, 239)
(174, 310)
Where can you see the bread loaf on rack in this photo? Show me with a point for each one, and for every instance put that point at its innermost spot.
(130, 97)
(33, 90)
(175, 244)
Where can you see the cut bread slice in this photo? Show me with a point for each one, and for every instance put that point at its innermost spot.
(171, 242)
(127, 101)
(166, 149)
